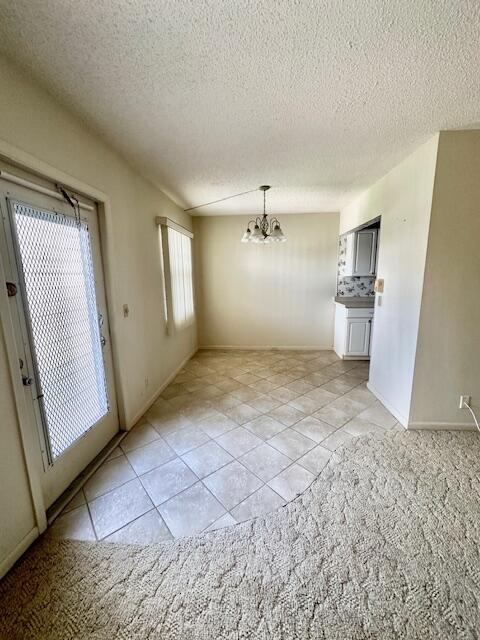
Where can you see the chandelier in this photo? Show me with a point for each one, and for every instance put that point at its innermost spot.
(264, 230)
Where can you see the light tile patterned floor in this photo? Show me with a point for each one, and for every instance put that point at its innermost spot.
(235, 435)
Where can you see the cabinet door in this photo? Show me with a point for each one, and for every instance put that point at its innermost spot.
(358, 337)
(365, 252)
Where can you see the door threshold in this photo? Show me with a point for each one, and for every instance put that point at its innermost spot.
(55, 509)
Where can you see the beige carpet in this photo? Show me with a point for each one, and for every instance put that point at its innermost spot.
(385, 544)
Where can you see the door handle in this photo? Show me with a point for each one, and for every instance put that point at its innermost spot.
(27, 381)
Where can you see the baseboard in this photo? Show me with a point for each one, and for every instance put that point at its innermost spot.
(232, 347)
(442, 426)
(8, 562)
(156, 394)
(397, 414)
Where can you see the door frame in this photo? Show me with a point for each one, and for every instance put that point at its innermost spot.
(28, 436)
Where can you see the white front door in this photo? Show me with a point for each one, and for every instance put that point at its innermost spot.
(57, 302)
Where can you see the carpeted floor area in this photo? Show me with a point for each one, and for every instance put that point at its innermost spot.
(385, 544)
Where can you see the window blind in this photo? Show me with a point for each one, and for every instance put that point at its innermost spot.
(181, 277)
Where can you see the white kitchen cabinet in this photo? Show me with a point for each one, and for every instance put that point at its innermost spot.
(353, 331)
(358, 337)
(361, 253)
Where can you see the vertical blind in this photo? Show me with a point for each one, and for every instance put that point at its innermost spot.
(181, 275)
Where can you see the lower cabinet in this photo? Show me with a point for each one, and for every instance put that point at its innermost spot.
(353, 332)
(358, 337)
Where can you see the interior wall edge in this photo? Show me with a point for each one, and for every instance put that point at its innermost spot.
(157, 393)
(228, 347)
(7, 563)
(403, 419)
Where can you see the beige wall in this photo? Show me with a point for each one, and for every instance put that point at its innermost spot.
(403, 198)
(268, 295)
(34, 123)
(448, 354)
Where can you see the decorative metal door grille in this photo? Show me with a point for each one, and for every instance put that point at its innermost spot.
(59, 289)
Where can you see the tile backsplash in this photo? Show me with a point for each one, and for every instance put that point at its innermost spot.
(351, 286)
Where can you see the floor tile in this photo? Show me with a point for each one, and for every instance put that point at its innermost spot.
(348, 405)
(238, 441)
(291, 482)
(140, 435)
(77, 500)
(337, 438)
(283, 394)
(332, 415)
(264, 427)
(245, 394)
(186, 439)
(227, 401)
(147, 529)
(74, 525)
(321, 395)
(152, 455)
(287, 415)
(315, 459)
(199, 411)
(264, 403)
(358, 427)
(119, 507)
(229, 384)
(314, 429)
(265, 461)
(316, 379)
(361, 395)
(173, 390)
(224, 521)
(291, 443)
(114, 454)
(170, 422)
(306, 404)
(217, 425)
(246, 378)
(260, 503)
(108, 476)
(300, 386)
(191, 511)
(338, 386)
(207, 459)
(379, 416)
(242, 413)
(266, 386)
(232, 484)
(166, 481)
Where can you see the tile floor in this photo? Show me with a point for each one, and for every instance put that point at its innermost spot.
(235, 435)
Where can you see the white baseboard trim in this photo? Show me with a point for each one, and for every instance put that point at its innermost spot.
(393, 410)
(7, 563)
(229, 347)
(155, 395)
(442, 426)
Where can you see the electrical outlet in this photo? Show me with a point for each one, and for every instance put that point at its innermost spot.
(464, 400)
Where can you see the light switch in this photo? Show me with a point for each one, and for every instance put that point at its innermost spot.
(378, 288)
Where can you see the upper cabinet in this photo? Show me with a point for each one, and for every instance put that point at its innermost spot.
(361, 253)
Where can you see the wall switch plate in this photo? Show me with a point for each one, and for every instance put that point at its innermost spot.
(126, 311)
(464, 400)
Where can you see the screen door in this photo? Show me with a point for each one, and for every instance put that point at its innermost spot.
(65, 362)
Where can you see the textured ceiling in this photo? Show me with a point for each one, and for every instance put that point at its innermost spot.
(213, 97)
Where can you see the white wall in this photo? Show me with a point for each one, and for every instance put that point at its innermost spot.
(448, 353)
(403, 198)
(269, 295)
(33, 122)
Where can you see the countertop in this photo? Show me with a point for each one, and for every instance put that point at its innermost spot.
(358, 302)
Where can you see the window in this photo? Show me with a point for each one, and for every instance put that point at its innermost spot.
(178, 274)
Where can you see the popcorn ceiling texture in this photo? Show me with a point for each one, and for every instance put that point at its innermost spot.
(212, 98)
(385, 544)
